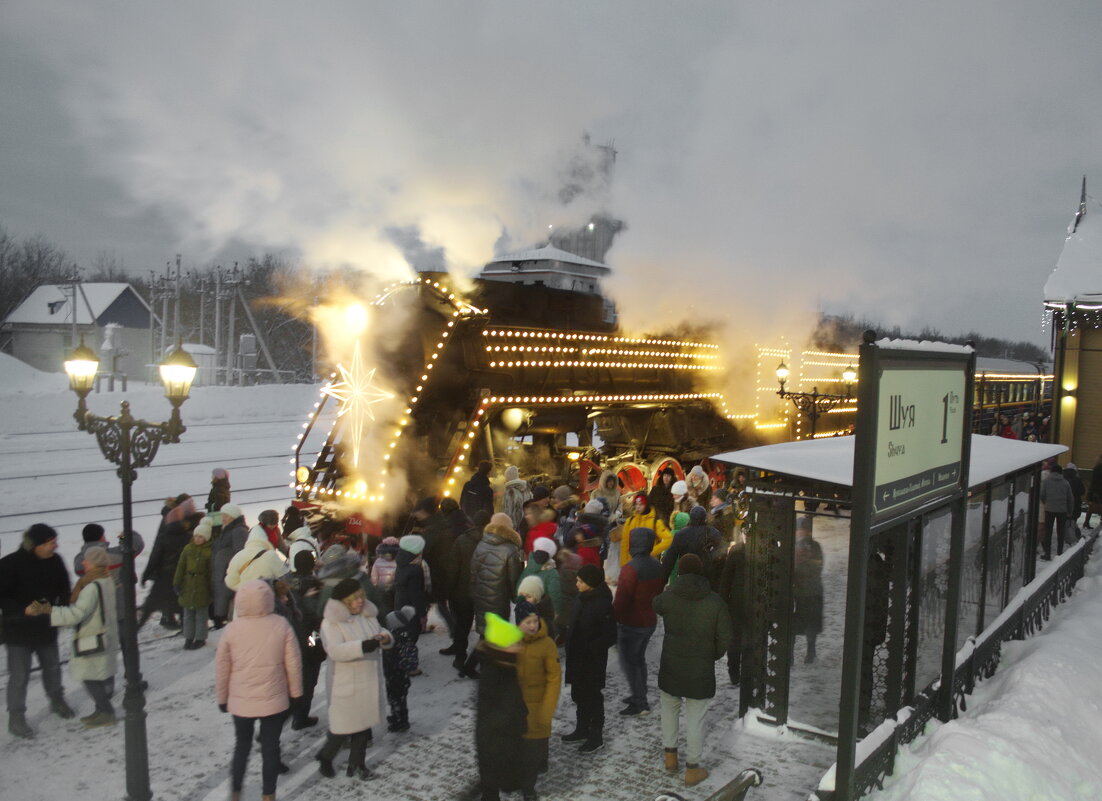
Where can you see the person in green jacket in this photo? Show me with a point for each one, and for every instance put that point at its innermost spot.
(192, 583)
(698, 630)
(541, 563)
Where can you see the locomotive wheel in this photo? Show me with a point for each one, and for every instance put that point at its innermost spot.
(632, 477)
(589, 477)
(662, 464)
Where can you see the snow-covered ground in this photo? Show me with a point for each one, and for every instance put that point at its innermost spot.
(55, 474)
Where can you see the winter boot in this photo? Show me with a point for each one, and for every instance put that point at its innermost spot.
(325, 756)
(97, 719)
(325, 766)
(62, 709)
(304, 723)
(694, 774)
(592, 744)
(578, 735)
(451, 650)
(189, 644)
(17, 725)
(671, 760)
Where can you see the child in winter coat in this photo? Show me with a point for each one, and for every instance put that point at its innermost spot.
(397, 664)
(382, 573)
(531, 590)
(410, 587)
(592, 634)
(192, 583)
(540, 679)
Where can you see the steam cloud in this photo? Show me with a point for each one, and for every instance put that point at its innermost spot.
(905, 163)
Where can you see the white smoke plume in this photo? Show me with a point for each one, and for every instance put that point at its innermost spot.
(905, 163)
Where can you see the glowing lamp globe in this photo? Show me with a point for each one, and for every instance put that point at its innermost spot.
(177, 372)
(849, 375)
(81, 366)
(782, 372)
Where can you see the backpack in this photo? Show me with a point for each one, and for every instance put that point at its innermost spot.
(714, 556)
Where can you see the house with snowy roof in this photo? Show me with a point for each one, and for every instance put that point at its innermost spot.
(111, 317)
(1073, 298)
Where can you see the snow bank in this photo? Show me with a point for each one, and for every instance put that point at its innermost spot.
(1033, 731)
(19, 377)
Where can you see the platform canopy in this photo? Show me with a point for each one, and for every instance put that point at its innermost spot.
(830, 459)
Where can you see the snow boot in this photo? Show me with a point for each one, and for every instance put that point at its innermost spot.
(694, 774)
(97, 719)
(578, 735)
(304, 723)
(325, 767)
(62, 709)
(671, 760)
(17, 725)
(592, 745)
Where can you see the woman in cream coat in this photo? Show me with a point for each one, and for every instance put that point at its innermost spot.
(93, 615)
(352, 637)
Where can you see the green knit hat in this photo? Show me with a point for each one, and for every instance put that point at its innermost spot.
(501, 633)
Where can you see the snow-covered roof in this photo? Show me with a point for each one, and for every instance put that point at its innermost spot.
(925, 344)
(51, 304)
(988, 364)
(1077, 276)
(547, 253)
(830, 459)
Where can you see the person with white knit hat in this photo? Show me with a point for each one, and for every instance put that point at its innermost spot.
(541, 566)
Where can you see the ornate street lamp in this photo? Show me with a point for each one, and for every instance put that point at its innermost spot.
(814, 404)
(131, 443)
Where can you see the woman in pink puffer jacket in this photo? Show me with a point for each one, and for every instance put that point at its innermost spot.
(257, 670)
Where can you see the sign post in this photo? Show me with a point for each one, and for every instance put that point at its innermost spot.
(911, 451)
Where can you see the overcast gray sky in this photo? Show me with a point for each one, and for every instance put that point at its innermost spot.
(916, 163)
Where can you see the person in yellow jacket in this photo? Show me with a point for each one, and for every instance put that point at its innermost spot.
(642, 516)
(540, 681)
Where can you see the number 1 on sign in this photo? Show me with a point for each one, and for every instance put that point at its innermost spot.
(945, 419)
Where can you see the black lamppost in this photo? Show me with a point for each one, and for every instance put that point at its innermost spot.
(815, 404)
(131, 443)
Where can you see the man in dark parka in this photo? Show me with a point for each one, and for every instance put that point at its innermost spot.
(698, 631)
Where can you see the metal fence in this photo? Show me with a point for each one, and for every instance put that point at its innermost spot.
(978, 658)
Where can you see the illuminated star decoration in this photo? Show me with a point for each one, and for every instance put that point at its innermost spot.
(357, 393)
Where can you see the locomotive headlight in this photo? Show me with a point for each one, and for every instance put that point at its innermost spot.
(513, 418)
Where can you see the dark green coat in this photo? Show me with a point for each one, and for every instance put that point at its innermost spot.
(698, 630)
(192, 579)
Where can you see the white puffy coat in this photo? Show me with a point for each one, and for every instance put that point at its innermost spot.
(86, 616)
(257, 560)
(356, 688)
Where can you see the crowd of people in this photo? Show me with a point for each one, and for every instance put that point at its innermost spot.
(534, 585)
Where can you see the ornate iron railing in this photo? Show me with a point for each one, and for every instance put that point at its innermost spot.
(1025, 615)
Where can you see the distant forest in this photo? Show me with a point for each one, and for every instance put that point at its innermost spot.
(837, 332)
(27, 263)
